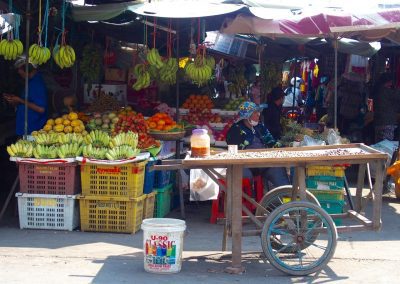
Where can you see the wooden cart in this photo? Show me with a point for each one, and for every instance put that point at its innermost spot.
(297, 237)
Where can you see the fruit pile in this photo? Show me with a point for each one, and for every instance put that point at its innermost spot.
(68, 123)
(234, 104)
(200, 70)
(162, 122)
(198, 102)
(200, 116)
(104, 122)
(129, 120)
(48, 146)
(103, 102)
(99, 145)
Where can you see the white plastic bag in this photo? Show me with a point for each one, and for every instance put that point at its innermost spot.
(333, 137)
(202, 187)
(309, 141)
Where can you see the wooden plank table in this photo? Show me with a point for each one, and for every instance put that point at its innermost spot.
(299, 158)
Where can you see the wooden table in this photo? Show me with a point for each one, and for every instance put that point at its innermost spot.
(299, 158)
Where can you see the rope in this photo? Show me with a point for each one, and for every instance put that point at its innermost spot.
(10, 6)
(63, 15)
(154, 32)
(46, 22)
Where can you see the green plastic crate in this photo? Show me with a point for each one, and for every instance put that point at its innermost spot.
(333, 207)
(162, 204)
(325, 182)
(328, 195)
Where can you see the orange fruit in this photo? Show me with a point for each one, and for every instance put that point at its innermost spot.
(152, 125)
(160, 127)
(161, 122)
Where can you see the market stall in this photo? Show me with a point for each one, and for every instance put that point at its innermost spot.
(300, 158)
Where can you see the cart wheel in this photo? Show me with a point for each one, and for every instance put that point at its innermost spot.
(275, 198)
(312, 246)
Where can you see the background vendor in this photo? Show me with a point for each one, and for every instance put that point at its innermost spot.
(272, 114)
(249, 133)
(37, 99)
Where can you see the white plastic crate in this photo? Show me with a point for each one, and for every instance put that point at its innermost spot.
(44, 211)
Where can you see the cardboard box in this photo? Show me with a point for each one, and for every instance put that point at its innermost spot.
(115, 75)
(117, 91)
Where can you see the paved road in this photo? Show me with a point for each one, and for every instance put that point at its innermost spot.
(40, 256)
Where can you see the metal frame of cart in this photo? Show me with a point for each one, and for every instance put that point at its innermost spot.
(299, 221)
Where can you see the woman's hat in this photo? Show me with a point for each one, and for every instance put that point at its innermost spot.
(246, 109)
(21, 61)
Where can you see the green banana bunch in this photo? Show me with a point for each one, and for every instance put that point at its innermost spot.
(169, 70)
(70, 138)
(69, 150)
(125, 138)
(199, 71)
(97, 138)
(46, 139)
(10, 49)
(122, 152)
(39, 54)
(45, 152)
(64, 56)
(94, 153)
(143, 78)
(91, 63)
(210, 61)
(154, 58)
(21, 149)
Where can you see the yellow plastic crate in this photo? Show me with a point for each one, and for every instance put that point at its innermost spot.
(336, 171)
(148, 210)
(113, 181)
(115, 214)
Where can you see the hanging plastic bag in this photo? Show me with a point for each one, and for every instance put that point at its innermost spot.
(202, 187)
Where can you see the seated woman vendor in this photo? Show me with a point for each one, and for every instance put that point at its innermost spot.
(250, 133)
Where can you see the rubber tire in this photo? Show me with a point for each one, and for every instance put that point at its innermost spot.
(275, 214)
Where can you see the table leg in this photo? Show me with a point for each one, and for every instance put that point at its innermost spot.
(377, 200)
(295, 181)
(234, 177)
(360, 185)
(301, 182)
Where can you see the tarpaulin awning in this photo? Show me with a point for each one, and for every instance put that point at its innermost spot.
(164, 9)
(317, 23)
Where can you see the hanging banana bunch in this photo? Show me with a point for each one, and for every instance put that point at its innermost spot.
(143, 77)
(200, 70)
(11, 47)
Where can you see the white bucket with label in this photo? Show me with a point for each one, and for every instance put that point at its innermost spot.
(163, 244)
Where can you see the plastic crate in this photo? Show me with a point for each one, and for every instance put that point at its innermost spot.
(125, 180)
(336, 171)
(162, 179)
(148, 208)
(324, 182)
(328, 195)
(51, 212)
(111, 214)
(162, 204)
(58, 179)
(333, 207)
(149, 177)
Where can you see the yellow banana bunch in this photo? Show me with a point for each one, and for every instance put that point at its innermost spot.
(45, 152)
(199, 71)
(121, 152)
(143, 77)
(69, 150)
(168, 71)
(97, 138)
(39, 54)
(64, 56)
(89, 151)
(10, 49)
(129, 138)
(154, 58)
(21, 149)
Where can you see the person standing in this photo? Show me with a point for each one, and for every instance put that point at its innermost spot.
(37, 99)
(272, 114)
(387, 107)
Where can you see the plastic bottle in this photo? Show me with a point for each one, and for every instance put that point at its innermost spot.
(200, 143)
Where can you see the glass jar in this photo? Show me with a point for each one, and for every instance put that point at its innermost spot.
(200, 143)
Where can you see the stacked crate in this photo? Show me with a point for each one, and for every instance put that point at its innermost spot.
(47, 197)
(164, 189)
(327, 185)
(112, 197)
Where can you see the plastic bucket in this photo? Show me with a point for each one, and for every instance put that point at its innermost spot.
(163, 244)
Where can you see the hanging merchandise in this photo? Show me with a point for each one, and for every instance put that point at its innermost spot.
(202, 68)
(270, 77)
(63, 54)
(170, 68)
(11, 47)
(91, 64)
(39, 53)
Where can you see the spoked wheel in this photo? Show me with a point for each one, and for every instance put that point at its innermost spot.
(306, 230)
(275, 198)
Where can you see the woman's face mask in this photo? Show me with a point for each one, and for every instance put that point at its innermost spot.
(253, 123)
